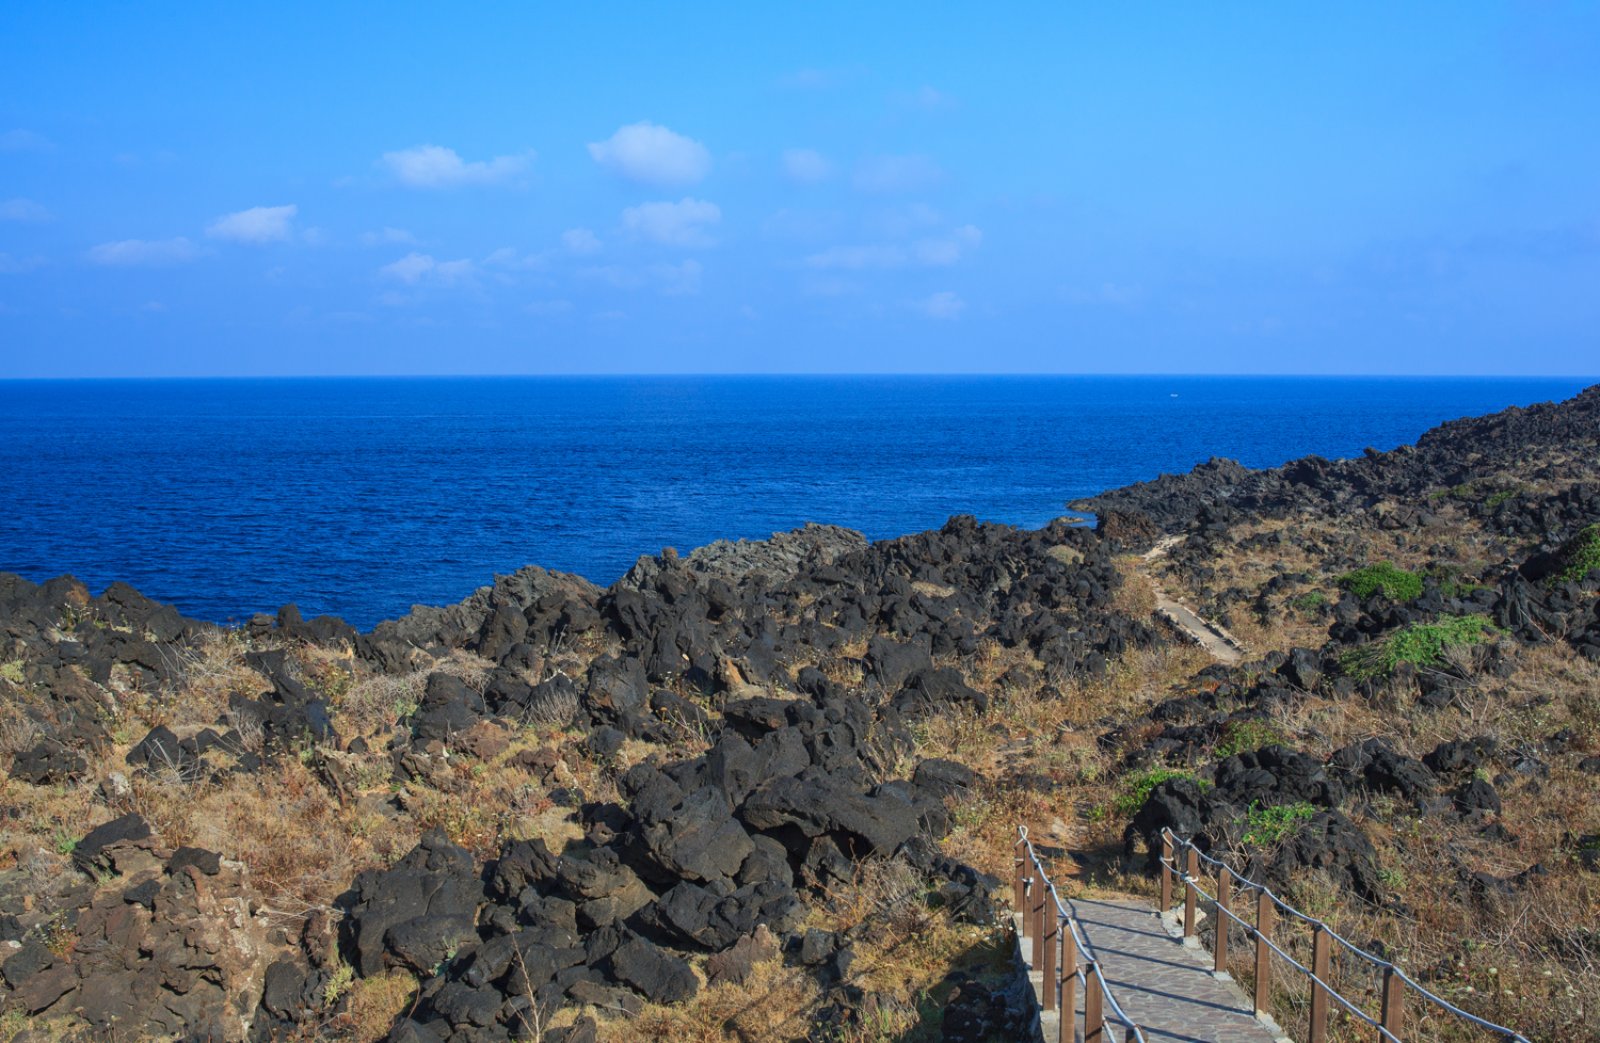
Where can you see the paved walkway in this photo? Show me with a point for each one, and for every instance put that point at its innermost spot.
(1166, 987)
(1213, 637)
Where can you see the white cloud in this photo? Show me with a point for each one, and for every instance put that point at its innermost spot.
(652, 154)
(388, 237)
(19, 265)
(678, 279)
(24, 141)
(683, 223)
(807, 166)
(944, 305)
(131, 253)
(434, 166)
(897, 174)
(24, 210)
(934, 252)
(508, 258)
(415, 268)
(259, 224)
(924, 97)
(580, 241)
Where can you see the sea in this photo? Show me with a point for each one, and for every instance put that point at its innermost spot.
(361, 497)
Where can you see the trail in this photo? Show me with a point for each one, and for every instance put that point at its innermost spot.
(1211, 636)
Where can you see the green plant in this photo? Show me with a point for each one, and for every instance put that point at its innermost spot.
(1270, 825)
(12, 671)
(1496, 499)
(1245, 734)
(1139, 784)
(1420, 644)
(1451, 581)
(1309, 602)
(65, 842)
(1578, 556)
(1395, 583)
(338, 984)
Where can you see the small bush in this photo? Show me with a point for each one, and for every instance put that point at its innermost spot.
(1141, 783)
(1309, 602)
(1246, 734)
(1277, 823)
(1496, 499)
(1396, 583)
(1420, 644)
(1579, 556)
(12, 671)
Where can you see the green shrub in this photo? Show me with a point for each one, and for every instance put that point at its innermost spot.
(1421, 644)
(1246, 734)
(1279, 822)
(1496, 499)
(1579, 555)
(1139, 785)
(1396, 583)
(1452, 583)
(1309, 602)
(12, 671)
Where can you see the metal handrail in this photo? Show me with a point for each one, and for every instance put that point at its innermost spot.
(1089, 964)
(1392, 972)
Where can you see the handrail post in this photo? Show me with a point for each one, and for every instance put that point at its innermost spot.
(1320, 953)
(1069, 986)
(1020, 883)
(1394, 1002)
(1224, 894)
(1047, 969)
(1094, 1021)
(1264, 916)
(1167, 863)
(1191, 870)
(1038, 915)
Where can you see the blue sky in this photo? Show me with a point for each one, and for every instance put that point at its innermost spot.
(1350, 188)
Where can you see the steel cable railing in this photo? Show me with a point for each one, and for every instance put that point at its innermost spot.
(1078, 963)
(1394, 982)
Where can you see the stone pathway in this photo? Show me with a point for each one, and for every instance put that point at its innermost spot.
(1166, 987)
(1213, 637)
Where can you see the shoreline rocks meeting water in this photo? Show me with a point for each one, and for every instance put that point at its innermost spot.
(554, 808)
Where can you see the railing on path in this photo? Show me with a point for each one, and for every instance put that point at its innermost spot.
(1394, 985)
(1034, 894)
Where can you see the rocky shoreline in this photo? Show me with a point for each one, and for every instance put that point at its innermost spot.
(598, 802)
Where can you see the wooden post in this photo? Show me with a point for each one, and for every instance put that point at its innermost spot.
(1166, 871)
(1094, 1021)
(1192, 869)
(1069, 987)
(1020, 884)
(1047, 975)
(1320, 952)
(1224, 895)
(1038, 917)
(1264, 917)
(1394, 1003)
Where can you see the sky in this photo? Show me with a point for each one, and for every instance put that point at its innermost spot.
(1352, 188)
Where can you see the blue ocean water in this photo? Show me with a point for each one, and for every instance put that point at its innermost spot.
(360, 497)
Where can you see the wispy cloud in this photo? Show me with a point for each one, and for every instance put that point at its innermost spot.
(806, 166)
(25, 211)
(684, 223)
(926, 98)
(10, 265)
(145, 253)
(933, 252)
(897, 174)
(259, 224)
(581, 241)
(653, 155)
(25, 141)
(388, 237)
(944, 305)
(434, 166)
(416, 268)
(678, 280)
